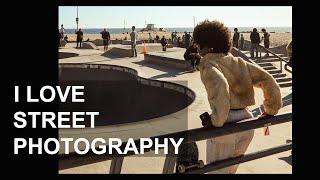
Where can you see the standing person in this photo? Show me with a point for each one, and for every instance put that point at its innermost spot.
(175, 38)
(229, 83)
(106, 38)
(163, 42)
(255, 41)
(179, 42)
(187, 39)
(242, 42)
(266, 39)
(62, 31)
(133, 36)
(235, 39)
(59, 38)
(172, 36)
(79, 37)
(150, 38)
(183, 40)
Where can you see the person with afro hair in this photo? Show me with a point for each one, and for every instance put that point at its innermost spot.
(229, 82)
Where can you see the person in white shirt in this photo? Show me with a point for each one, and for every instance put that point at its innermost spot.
(133, 36)
(62, 31)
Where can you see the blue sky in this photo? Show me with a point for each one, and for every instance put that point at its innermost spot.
(174, 16)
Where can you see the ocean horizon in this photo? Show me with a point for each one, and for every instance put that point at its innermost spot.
(188, 29)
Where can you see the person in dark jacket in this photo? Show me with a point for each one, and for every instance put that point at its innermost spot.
(163, 42)
(59, 38)
(192, 55)
(235, 39)
(255, 41)
(157, 38)
(106, 38)
(187, 38)
(79, 37)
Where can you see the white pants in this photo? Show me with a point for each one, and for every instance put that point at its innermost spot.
(231, 145)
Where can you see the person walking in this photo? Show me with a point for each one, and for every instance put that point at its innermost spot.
(106, 38)
(79, 38)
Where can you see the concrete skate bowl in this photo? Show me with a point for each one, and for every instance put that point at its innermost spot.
(63, 55)
(120, 95)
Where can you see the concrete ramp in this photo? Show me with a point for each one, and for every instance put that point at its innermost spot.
(125, 50)
(173, 57)
(98, 42)
(89, 45)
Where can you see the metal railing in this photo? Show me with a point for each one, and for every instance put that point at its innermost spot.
(280, 58)
(199, 134)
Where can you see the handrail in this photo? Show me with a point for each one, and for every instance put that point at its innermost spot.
(241, 159)
(198, 134)
(273, 53)
(281, 59)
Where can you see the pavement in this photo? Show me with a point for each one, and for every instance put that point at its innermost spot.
(274, 164)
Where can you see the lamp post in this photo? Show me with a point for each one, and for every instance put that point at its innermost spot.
(194, 22)
(77, 19)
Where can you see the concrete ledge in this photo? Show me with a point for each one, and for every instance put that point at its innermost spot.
(128, 42)
(125, 50)
(167, 61)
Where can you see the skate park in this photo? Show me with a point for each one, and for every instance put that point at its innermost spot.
(168, 75)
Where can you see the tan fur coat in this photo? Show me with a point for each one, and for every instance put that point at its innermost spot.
(229, 83)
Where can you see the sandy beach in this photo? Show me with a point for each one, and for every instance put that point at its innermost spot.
(276, 39)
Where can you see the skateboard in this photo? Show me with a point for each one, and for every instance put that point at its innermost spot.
(188, 158)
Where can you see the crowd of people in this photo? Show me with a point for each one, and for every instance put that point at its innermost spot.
(238, 41)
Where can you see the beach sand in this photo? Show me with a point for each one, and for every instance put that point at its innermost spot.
(276, 39)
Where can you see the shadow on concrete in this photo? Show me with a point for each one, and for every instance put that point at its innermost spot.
(63, 55)
(169, 72)
(286, 101)
(113, 54)
(287, 159)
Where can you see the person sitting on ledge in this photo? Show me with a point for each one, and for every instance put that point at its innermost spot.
(229, 82)
(192, 55)
(66, 38)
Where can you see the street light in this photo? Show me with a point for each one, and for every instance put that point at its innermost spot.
(77, 19)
